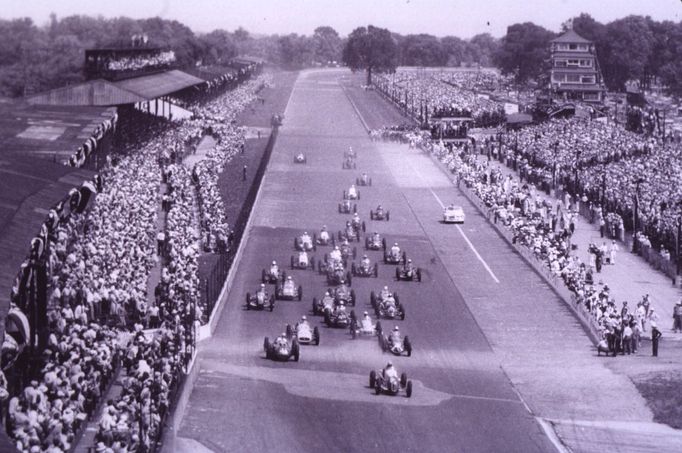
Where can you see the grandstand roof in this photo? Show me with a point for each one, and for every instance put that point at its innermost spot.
(29, 187)
(46, 131)
(100, 92)
(155, 85)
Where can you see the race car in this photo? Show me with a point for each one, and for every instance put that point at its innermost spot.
(350, 153)
(325, 304)
(273, 275)
(352, 194)
(324, 238)
(380, 214)
(365, 327)
(282, 349)
(287, 290)
(394, 255)
(329, 262)
(395, 343)
(453, 214)
(363, 180)
(303, 333)
(300, 159)
(260, 301)
(358, 224)
(349, 163)
(301, 261)
(338, 275)
(350, 233)
(388, 307)
(346, 207)
(305, 243)
(387, 381)
(342, 293)
(365, 270)
(375, 242)
(346, 251)
(339, 317)
(408, 272)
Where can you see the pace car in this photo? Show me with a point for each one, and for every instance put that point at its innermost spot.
(453, 214)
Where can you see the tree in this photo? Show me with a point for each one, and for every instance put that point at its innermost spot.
(295, 51)
(482, 47)
(454, 48)
(220, 46)
(524, 51)
(630, 42)
(326, 44)
(422, 50)
(371, 49)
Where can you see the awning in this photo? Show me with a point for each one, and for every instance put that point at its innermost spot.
(161, 84)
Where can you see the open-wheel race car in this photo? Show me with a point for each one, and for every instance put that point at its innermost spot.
(324, 304)
(346, 207)
(408, 272)
(387, 381)
(324, 238)
(380, 214)
(396, 343)
(304, 333)
(364, 327)
(300, 158)
(349, 163)
(301, 261)
(282, 348)
(352, 194)
(364, 269)
(305, 243)
(261, 300)
(339, 317)
(393, 255)
(349, 233)
(331, 261)
(343, 293)
(273, 275)
(387, 305)
(337, 275)
(357, 223)
(375, 242)
(363, 180)
(287, 290)
(350, 152)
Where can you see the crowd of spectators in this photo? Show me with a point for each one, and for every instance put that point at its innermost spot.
(136, 63)
(81, 155)
(98, 266)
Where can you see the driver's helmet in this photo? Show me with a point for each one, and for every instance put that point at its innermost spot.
(262, 286)
(409, 260)
(305, 233)
(395, 244)
(342, 303)
(336, 247)
(283, 335)
(385, 288)
(376, 233)
(364, 257)
(365, 314)
(288, 278)
(389, 364)
(324, 227)
(379, 207)
(274, 263)
(345, 242)
(396, 329)
(347, 223)
(342, 281)
(326, 293)
(303, 318)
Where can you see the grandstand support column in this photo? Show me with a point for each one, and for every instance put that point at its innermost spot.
(41, 304)
(156, 107)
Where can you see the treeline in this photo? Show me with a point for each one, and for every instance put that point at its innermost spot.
(632, 48)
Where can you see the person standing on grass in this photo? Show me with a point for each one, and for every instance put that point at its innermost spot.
(655, 337)
(613, 250)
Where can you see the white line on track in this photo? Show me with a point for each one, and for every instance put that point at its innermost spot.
(480, 258)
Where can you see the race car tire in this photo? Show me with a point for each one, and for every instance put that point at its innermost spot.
(316, 336)
(372, 299)
(352, 297)
(353, 329)
(352, 315)
(382, 343)
(248, 299)
(358, 194)
(355, 250)
(292, 262)
(377, 312)
(295, 244)
(364, 229)
(402, 313)
(403, 380)
(376, 270)
(263, 279)
(314, 305)
(377, 388)
(352, 269)
(345, 197)
(397, 273)
(300, 292)
(404, 257)
(419, 275)
(372, 378)
(388, 216)
(295, 351)
(408, 346)
(371, 215)
(327, 319)
(383, 243)
(266, 345)
(272, 302)
(289, 330)
(378, 328)
(397, 299)
(312, 262)
(349, 278)
(408, 389)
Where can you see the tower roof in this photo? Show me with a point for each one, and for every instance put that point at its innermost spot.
(571, 37)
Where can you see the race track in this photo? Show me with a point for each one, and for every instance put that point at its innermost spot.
(462, 401)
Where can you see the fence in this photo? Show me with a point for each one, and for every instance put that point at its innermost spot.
(214, 282)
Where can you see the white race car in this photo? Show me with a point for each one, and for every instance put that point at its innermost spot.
(453, 214)
(304, 333)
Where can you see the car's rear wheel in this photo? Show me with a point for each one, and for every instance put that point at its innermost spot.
(353, 329)
(419, 275)
(408, 389)
(295, 350)
(377, 388)
(403, 379)
(376, 270)
(289, 330)
(408, 346)
(378, 328)
(314, 305)
(352, 297)
(402, 313)
(371, 215)
(383, 243)
(266, 344)
(397, 273)
(388, 216)
(248, 299)
(352, 269)
(316, 336)
(372, 378)
(312, 262)
(292, 262)
(262, 276)
(300, 292)
(372, 299)
(272, 303)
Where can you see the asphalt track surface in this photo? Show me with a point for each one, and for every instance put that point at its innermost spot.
(462, 400)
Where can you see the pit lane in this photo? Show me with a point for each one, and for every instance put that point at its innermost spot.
(462, 400)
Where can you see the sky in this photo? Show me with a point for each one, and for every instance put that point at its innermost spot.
(463, 18)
